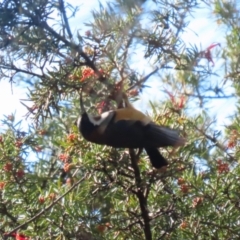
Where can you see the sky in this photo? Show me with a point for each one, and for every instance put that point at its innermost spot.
(202, 31)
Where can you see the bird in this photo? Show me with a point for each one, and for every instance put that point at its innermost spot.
(128, 127)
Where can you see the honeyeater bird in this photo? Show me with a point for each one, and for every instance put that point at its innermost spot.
(129, 128)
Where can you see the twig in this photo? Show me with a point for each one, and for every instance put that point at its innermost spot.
(209, 97)
(143, 80)
(214, 140)
(140, 195)
(63, 11)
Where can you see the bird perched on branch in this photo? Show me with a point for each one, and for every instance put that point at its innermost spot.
(128, 128)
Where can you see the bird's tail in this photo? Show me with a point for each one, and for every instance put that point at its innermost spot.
(156, 157)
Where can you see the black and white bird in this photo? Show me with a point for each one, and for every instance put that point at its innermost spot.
(129, 128)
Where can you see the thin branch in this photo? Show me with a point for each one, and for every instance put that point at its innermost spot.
(209, 97)
(63, 11)
(143, 80)
(20, 70)
(217, 144)
(140, 195)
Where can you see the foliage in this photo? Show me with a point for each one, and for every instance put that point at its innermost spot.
(55, 185)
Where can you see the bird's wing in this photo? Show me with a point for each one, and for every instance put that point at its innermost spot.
(125, 134)
(159, 136)
(135, 134)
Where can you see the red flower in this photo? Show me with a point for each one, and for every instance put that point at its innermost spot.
(181, 181)
(18, 236)
(133, 92)
(71, 137)
(178, 103)
(184, 188)
(2, 185)
(10, 118)
(18, 144)
(41, 199)
(197, 201)
(42, 132)
(68, 166)
(38, 149)
(207, 53)
(101, 106)
(52, 196)
(87, 73)
(63, 157)
(88, 33)
(20, 173)
(222, 167)
(8, 167)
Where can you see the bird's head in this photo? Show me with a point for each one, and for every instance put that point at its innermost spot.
(90, 126)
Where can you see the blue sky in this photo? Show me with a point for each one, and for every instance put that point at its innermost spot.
(202, 31)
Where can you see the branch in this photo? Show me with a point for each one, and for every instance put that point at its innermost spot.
(47, 208)
(209, 97)
(214, 140)
(143, 80)
(62, 9)
(140, 195)
(12, 67)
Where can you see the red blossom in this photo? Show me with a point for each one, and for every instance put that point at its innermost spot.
(10, 118)
(42, 132)
(41, 199)
(68, 166)
(133, 92)
(179, 102)
(18, 144)
(8, 167)
(183, 225)
(2, 185)
(38, 149)
(222, 167)
(197, 201)
(33, 108)
(69, 181)
(181, 181)
(20, 173)
(231, 144)
(87, 73)
(207, 53)
(184, 188)
(18, 236)
(71, 137)
(64, 157)
(101, 106)
(52, 196)
(88, 33)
